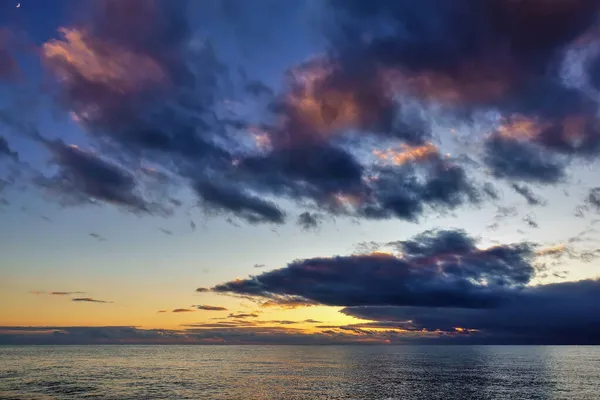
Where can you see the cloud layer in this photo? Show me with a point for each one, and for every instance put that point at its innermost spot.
(441, 283)
(434, 269)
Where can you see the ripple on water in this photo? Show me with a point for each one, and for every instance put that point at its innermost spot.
(299, 373)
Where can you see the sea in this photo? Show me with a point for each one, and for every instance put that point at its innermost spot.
(299, 372)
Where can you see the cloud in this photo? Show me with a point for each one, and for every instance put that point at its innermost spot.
(309, 221)
(170, 112)
(475, 54)
(250, 208)
(435, 269)
(558, 313)
(593, 198)
(528, 194)
(243, 315)
(98, 237)
(287, 302)
(84, 177)
(512, 159)
(5, 150)
(89, 300)
(17, 335)
(8, 66)
(478, 57)
(64, 293)
(210, 308)
(122, 81)
(58, 293)
(182, 310)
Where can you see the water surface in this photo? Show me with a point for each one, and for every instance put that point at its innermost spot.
(300, 372)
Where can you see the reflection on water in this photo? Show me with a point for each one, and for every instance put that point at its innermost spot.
(300, 372)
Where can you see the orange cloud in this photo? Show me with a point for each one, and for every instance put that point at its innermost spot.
(102, 76)
(79, 55)
(472, 82)
(319, 108)
(520, 127)
(574, 128)
(552, 250)
(261, 138)
(407, 154)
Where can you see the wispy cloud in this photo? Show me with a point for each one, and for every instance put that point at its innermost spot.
(89, 300)
(210, 308)
(65, 293)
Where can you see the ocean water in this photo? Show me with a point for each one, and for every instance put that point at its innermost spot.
(300, 372)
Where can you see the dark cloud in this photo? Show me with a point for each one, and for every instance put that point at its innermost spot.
(170, 111)
(257, 88)
(504, 212)
(250, 208)
(89, 300)
(558, 313)
(530, 220)
(479, 56)
(5, 149)
(166, 231)
(243, 315)
(134, 76)
(84, 177)
(593, 199)
(527, 193)
(210, 308)
(309, 221)
(161, 311)
(514, 160)
(471, 53)
(436, 268)
(182, 310)
(259, 265)
(98, 237)
(58, 293)
(350, 133)
(65, 293)
(401, 194)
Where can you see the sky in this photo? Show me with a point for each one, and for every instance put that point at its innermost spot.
(299, 172)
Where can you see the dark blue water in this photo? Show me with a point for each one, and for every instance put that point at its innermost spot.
(300, 372)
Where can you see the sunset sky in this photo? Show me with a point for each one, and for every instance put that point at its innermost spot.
(299, 171)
